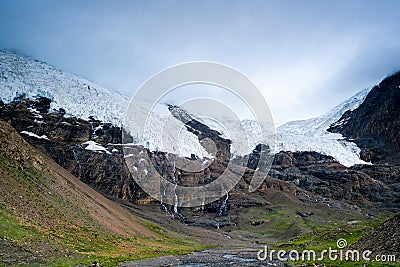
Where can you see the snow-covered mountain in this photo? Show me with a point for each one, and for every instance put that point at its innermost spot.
(20, 74)
(304, 135)
(311, 134)
(79, 97)
(162, 132)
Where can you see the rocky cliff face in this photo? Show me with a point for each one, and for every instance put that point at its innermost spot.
(375, 124)
(91, 150)
(65, 140)
(302, 189)
(363, 185)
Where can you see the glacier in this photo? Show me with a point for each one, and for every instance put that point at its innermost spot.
(312, 134)
(20, 74)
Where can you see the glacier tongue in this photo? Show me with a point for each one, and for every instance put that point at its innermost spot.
(319, 125)
(78, 96)
(162, 132)
(311, 134)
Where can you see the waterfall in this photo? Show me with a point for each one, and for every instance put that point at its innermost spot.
(93, 135)
(89, 158)
(224, 208)
(132, 188)
(77, 159)
(175, 213)
(164, 207)
(176, 200)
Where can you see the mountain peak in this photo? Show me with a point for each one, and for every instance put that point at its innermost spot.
(375, 124)
(80, 97)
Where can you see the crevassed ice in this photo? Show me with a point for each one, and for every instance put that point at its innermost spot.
(165, 133)
(311, 134)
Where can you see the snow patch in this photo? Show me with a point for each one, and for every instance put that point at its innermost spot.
(93, 146)
(35, 135)
(39, 122)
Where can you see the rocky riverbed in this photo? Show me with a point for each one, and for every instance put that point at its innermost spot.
(207, 258)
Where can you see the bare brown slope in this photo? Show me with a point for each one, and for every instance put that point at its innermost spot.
(383, 240)
(63, 191)
(49, 217)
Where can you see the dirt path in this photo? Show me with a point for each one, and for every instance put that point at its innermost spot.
(240, 257)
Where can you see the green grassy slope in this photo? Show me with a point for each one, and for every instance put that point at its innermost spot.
(48, 217)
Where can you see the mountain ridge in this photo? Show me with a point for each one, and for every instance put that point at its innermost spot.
(81, 98)
(375, 124)
(20, 74)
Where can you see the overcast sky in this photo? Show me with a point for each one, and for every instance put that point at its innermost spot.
(305, 56)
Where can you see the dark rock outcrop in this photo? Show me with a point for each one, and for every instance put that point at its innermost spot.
(103, 170)
(365, 185)
(308, 176)
(375, 124)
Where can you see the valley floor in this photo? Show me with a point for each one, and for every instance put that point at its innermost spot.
(214, 257)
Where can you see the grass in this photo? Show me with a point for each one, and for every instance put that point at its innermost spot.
(82, 246)
(282, 221)
(324, 239)
(37, 224)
